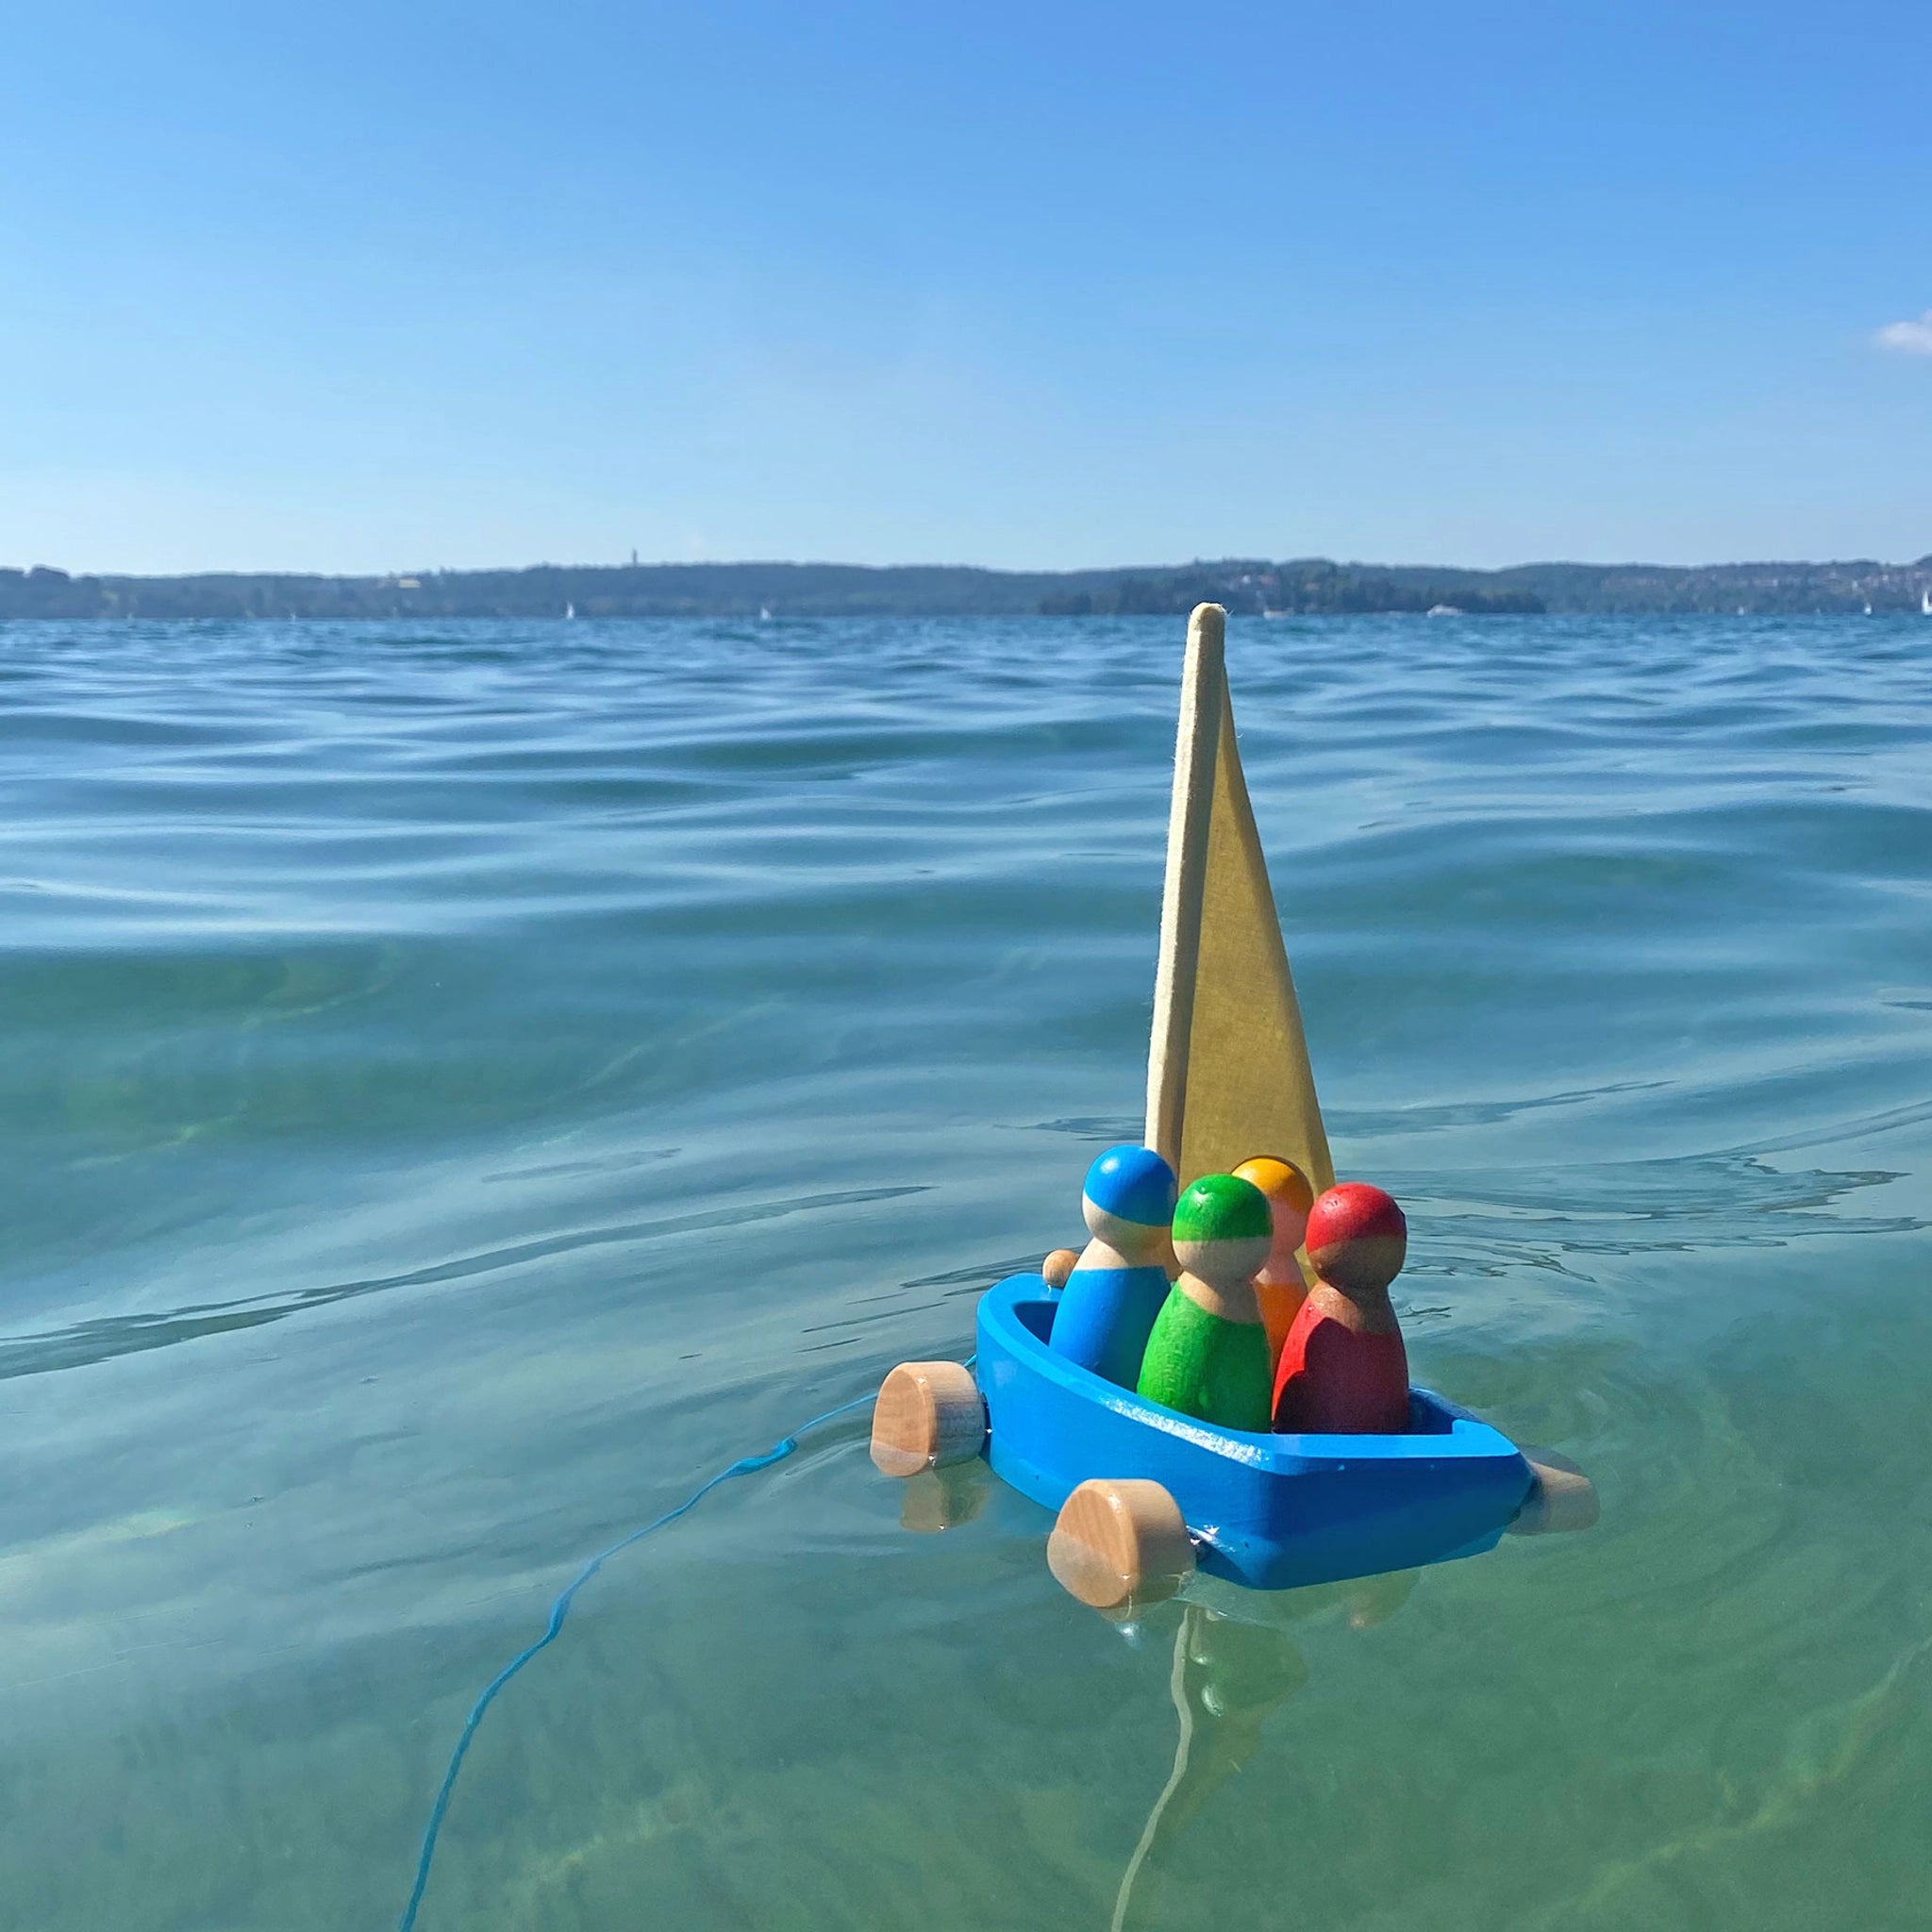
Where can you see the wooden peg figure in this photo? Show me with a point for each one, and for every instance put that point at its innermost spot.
(1115, 1289)
(1343, 1369)
(1281, 1286)
(1207, 1356)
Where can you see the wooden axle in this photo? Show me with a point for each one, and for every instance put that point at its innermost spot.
(928, 1414)
(1119, 1543)
(1561, 1498)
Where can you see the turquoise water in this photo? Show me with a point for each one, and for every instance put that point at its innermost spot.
(460, 1088)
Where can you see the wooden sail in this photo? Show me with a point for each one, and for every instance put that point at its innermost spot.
(1228, 1073)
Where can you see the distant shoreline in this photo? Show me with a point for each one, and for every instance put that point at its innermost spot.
(1299, 587)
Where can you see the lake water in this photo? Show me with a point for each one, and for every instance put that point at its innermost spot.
(460, 1088)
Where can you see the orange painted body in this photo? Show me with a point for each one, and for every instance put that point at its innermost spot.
(1281, 1298)
(1281, 1286)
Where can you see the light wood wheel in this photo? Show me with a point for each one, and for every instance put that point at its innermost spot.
(928, 1414)
(1119, 1543)
(1561, 1497)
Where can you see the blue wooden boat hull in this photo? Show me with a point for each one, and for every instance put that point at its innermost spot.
(1269, 1511)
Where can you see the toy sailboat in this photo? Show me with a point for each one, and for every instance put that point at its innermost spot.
(1144, 1494)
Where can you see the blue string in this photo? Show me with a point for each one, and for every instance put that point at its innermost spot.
(746, 1465)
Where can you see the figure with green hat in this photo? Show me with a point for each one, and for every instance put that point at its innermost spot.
(1207, 1356)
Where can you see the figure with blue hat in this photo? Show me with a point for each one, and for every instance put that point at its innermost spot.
(1120, 1282)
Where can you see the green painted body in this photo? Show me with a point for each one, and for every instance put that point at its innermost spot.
(1205, 1366)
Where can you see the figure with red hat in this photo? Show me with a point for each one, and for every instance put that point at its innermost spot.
(1343, 1369)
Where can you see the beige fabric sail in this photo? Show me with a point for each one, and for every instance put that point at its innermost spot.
(1228, 1074)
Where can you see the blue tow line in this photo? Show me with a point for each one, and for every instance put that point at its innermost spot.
(746, 1465)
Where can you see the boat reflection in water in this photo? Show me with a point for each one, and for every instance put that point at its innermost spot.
(1234, 1664)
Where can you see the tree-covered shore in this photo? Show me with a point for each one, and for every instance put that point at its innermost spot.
(1313, 586)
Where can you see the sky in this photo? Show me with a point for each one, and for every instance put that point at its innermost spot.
(432, 285)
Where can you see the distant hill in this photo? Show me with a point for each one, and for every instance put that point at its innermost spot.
(1308, 585)
(1791, 588)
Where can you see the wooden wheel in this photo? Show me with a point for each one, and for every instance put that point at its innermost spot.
(928, 1414)
(1561, 1497)
(1120, 1542)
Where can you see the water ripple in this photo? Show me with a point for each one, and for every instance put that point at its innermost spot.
(594, 1045)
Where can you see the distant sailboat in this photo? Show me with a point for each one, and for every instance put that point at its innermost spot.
(764, 613)
(1925, 602)
(570, 609)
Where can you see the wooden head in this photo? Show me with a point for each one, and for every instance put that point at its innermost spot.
(1290, 1194)
(1223, 1230)
(1127, 1202)
(1135, 1241)
(1358, 1238)
(1057, 1267)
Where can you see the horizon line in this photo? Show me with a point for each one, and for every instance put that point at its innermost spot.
(1923, 562)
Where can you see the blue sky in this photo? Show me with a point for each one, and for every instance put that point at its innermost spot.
(420, 285)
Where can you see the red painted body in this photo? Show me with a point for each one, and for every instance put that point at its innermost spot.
(1336, 1378)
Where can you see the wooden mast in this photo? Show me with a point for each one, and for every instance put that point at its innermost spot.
(1204, 693)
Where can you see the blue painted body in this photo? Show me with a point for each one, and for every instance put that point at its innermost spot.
(1104, 1318)
(1269, 1511)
